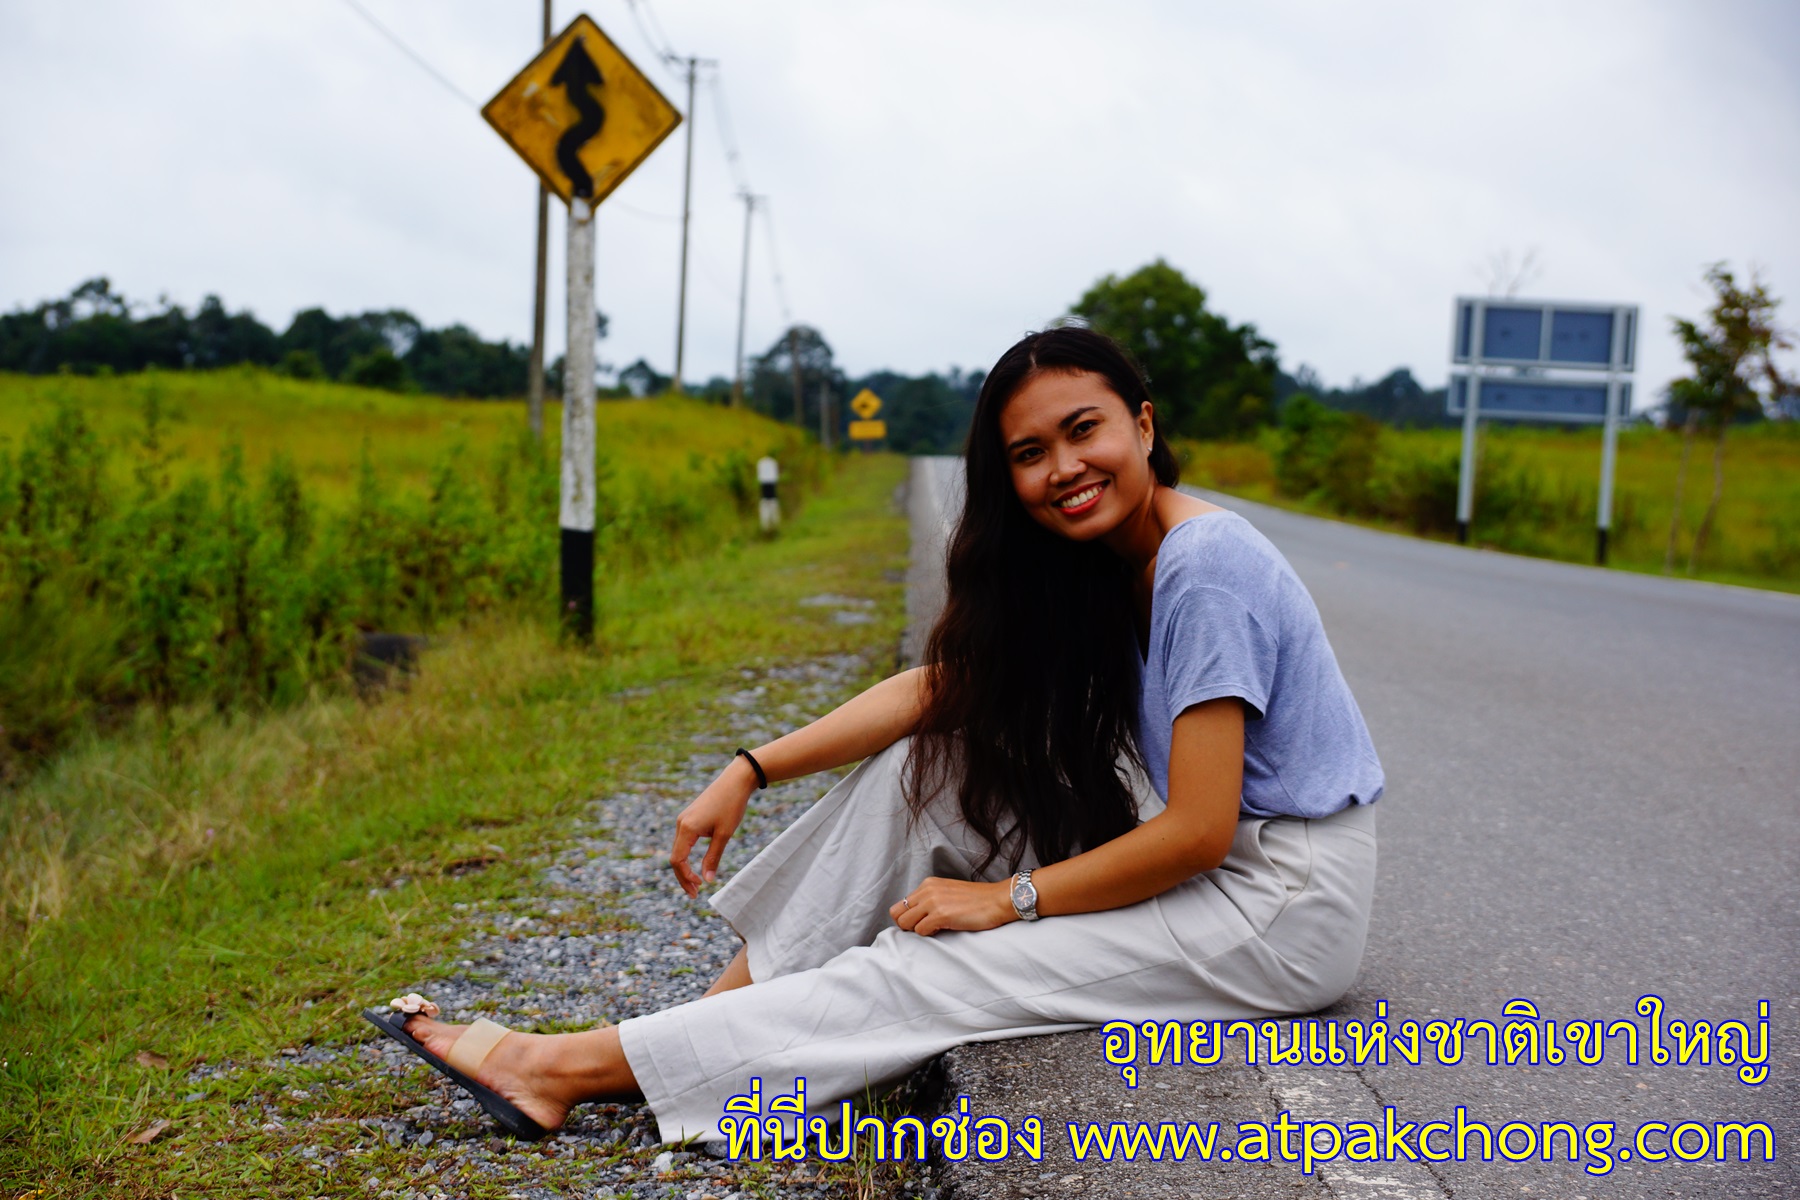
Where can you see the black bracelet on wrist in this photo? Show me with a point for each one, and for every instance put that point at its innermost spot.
(762, 781)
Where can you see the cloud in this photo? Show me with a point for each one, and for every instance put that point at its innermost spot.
(942, 176)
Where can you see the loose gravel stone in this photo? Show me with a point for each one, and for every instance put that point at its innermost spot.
(606, 934)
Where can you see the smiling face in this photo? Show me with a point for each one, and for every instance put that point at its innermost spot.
(1079, 457)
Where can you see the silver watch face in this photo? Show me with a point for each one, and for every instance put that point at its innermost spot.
(1024, 895)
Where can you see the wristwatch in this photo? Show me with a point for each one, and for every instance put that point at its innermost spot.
(1024, 896)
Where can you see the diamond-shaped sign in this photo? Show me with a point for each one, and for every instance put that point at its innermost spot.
(866, 404)
(581, 114)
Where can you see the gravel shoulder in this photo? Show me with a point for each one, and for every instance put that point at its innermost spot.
(604, 934)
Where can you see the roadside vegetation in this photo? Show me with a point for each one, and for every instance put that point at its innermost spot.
(1538, 488)
(212, 877)
(226, 538)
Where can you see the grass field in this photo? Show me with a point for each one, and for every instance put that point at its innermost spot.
(217, 878)
(228, 536)
(322, 427)
(1755, 542)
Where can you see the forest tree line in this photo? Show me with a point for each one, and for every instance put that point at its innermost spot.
(1212, 378)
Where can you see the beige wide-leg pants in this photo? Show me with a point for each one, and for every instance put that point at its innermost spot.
(848, 1000)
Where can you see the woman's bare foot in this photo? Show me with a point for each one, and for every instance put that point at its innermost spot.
(544, 1074)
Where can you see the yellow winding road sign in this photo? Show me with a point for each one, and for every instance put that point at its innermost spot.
(866, 404)
(581, 114)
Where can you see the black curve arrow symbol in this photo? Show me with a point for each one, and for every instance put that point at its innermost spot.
(577, 75)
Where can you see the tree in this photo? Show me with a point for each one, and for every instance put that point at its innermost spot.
(641, 379)
(457, 362)
(301, 364)
(927, 414)
(1728, 358)
(219, 339)
(1395, 399)
(379, 368)
(772, 377)
(95, 328)
(335, 340)
(1211, 378)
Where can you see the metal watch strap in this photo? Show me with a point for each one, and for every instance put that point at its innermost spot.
(1022, 885)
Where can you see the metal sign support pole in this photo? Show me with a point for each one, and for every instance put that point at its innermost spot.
(577, 510)
(1465, 474)
(1609, 452)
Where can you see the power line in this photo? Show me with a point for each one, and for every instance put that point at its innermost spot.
(407, 50)
(659, 46)
(643, 15)
(651, 13)
(613, 202)
(787, 314)
(734, 159)
(727, 133)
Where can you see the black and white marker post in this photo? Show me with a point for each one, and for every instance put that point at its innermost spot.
(768, 474)
(577, 511)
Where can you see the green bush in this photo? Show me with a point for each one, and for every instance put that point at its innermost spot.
(1350, 464)
(241, 592)
(379, 368)
(1417, 487)
(301, 364)
(1327, 455)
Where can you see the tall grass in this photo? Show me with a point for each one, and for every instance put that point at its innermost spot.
(130, 573)
(1537, 489)
(214, 886)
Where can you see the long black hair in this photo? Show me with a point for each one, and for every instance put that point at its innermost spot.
(1033, 662)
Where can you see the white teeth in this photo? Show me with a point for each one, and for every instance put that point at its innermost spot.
(1079, 498)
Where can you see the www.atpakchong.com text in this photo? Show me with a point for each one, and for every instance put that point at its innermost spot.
(782, 1131)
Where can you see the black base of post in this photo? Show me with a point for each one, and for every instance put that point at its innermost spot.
(578, 584)
(1462, 533)
(1600, 547)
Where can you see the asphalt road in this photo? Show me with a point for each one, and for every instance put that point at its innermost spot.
(1593, 796)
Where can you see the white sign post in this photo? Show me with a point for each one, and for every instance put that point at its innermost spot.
(583, 117)
(577, 509)
(1538, 340)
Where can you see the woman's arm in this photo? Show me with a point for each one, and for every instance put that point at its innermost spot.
(1193, 834)
(855, 729)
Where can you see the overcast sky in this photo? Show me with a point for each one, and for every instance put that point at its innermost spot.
(943, 174)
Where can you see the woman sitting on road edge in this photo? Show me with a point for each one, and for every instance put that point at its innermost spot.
(1129, 783)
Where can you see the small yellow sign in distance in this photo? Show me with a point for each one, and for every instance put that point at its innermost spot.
(581, 114)
(868, 431)
(865, 405)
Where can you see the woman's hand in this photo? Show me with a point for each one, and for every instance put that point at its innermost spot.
(954, 904)
(715, 814)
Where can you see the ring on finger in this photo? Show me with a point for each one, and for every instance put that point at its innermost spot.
(905, 902)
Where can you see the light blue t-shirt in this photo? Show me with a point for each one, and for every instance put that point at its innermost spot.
(1229, 617)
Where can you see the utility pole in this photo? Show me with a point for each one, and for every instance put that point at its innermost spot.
(825, 413)
(535, 375)
(737, 384)
(794, 361)
(687, 191)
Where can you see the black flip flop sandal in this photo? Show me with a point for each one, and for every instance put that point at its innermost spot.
(510, 1117)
